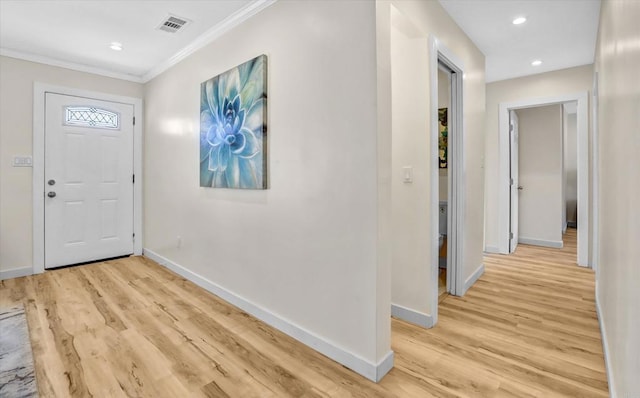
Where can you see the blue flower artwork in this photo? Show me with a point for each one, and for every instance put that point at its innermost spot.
(233, 127)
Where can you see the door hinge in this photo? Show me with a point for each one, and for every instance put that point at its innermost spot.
(510, 235)
(511, 181)
(133, 179)
(133, 237)
(134, 120)
(510, 128)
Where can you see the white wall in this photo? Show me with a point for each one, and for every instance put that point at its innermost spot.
(16, 139)
(412, 22)
(305, 250)
(618, 272)
(566, 81)
(410, 143)
(540, 204)
(570, 160)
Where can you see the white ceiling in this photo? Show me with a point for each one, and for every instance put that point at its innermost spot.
(561, 33)
(77, 33)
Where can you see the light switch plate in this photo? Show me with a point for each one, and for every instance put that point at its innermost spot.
(407, 174)
(22, 161)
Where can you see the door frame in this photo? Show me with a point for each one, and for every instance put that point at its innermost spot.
(582, 98)
(39, 92)
(516, 181)
(440, 54)
(595, 177)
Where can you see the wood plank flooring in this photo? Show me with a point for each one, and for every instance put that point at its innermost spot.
(129, 327)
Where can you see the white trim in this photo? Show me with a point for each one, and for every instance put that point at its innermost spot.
(39, 91)
(210, 35)
(473, 278)
(456, 195)
(583, 180)
(412, 316)
(595, 178)
(439, 53)
(583, 168)
(564, 148)
(514, 200)
(41, 59)
(605, 349)
(435, 168)
(207, 37)
(384, 366)
(491, 249)
(372, 371)
(15, 273)
(558, 244)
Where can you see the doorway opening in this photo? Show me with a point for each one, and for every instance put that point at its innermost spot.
(543, 170)
(511, 218)
(447, 193)
(444, 107)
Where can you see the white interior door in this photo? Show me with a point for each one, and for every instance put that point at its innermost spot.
(515, 187)
(88, 190)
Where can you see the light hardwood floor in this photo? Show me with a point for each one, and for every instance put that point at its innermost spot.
(131, 328)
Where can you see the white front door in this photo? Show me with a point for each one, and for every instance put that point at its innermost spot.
(515, 188)
(88, 189)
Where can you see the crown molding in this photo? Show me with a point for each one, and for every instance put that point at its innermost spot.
(41, 59)
(209, 36)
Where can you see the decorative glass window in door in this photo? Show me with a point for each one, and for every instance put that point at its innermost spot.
(91, 117)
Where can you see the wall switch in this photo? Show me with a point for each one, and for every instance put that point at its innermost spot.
(22, 161)
(407, 173)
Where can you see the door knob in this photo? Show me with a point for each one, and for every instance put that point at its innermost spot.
(520, 187)
(51, 194)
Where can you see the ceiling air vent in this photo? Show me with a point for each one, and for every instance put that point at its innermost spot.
(173, 24)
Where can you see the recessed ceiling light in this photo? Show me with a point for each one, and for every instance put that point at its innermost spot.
(519, 20)
(537, 62)
(116, 46)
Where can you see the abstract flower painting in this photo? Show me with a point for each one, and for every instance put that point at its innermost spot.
(233, 127)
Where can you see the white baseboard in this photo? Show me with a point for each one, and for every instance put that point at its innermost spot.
(473, 278)
(412, 316)
(605, 349)
(384, 366)
(541, 242)
(372, 371)
(15, 272)
(491, 249)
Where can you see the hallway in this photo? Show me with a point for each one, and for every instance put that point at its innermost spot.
(528, 327)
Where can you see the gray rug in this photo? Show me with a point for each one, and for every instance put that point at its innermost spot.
(17, 375)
